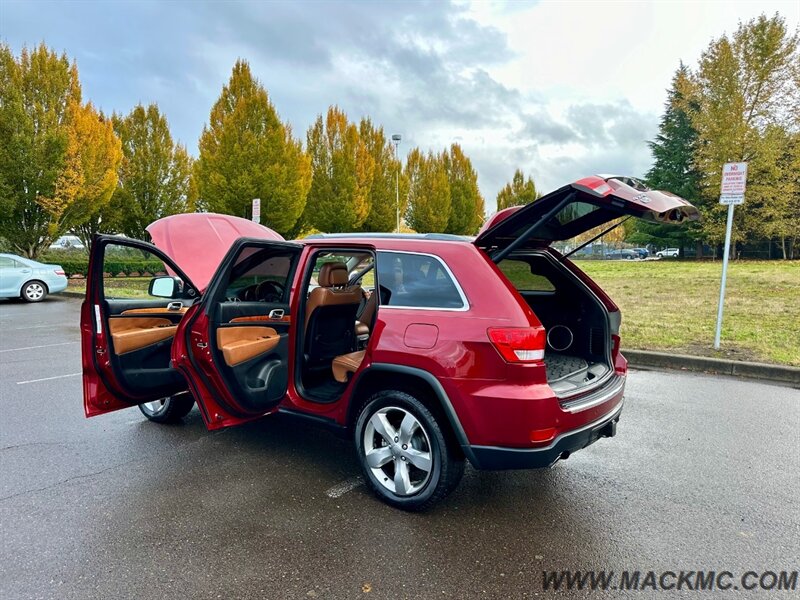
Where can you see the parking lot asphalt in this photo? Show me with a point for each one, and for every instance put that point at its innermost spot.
(703, 474)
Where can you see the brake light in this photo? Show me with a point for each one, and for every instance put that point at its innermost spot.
(518, 345)
(59, 272)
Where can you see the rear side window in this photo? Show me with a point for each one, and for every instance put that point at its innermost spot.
(521, 276)
(416, 281)
(8, 263)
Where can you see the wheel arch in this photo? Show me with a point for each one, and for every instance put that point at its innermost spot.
(420, 383)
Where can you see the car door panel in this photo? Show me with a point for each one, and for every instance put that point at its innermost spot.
(244, 343)
(126, 341)
(236, 353)
(129, 334)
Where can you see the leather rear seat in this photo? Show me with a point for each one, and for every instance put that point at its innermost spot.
(345, 365)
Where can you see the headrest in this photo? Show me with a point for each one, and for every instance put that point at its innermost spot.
(333, 275)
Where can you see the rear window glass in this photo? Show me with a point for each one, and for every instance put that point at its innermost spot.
(523, 279)
(416, 281)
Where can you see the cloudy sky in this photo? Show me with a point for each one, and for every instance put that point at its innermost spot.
(559, 89)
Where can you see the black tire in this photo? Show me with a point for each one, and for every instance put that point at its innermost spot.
(447, 463)
(34, 291)
(172, 409)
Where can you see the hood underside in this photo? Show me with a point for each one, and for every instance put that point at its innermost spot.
(198, 242)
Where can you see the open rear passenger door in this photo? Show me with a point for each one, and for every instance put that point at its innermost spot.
(235, 347)
(128, 325)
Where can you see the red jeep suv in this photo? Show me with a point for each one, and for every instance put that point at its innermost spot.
(428, 350)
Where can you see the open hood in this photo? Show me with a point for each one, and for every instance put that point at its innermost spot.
(198, 242)
(577, 208)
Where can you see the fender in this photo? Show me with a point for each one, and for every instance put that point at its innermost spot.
(436, 386)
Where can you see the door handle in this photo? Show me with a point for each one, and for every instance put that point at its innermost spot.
(201, 345)
(26, 270)
(276, 313)
(175, 306)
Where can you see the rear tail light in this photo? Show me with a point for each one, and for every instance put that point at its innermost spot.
(59, 272)
(519, 345)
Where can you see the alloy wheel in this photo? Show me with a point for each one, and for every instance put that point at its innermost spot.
(34, 291)
(398, 451)
(152, 409)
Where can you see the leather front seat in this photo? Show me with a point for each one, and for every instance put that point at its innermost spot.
(330, 316)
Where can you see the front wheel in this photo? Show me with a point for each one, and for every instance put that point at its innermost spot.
(168, 410)
(404, 452)
(34, 291)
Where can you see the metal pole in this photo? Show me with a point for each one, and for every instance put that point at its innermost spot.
(725, 256)
(397, 198)
(397, 185)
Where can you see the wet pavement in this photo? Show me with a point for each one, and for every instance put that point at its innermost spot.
(703, 474)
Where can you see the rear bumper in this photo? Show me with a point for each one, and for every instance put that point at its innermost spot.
(499, 458)
(56, 285)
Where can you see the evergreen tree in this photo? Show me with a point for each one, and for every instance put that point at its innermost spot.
(246, 152)
(673, 164)
(466, 202)
(429, 192)
(342, 170)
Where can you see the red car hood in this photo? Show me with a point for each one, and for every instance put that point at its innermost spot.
(198, 242)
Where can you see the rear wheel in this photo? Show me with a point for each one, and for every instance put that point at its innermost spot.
(168, 410)
(34, 291)
(404, 452)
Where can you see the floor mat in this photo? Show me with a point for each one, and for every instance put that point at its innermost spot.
(560, 366)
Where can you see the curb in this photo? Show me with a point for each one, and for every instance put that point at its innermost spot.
(780, 374)
(72, 294)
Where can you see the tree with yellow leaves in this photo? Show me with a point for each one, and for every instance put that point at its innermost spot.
(58, 156)
(429, 192)
(246, 152)
(342, 170)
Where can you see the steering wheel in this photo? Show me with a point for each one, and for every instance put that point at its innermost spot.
(270, 291)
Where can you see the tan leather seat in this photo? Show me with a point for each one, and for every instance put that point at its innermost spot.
(331, 315)
(333, 289)
(365, 319)
(345, 365)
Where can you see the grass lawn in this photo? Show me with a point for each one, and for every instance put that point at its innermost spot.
(671, 305)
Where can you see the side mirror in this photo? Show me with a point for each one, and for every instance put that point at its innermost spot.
(164, 287)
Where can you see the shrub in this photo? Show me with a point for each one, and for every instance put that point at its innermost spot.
(78, 264)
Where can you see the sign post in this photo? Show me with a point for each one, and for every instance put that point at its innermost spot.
(734, 181)
(256, 218)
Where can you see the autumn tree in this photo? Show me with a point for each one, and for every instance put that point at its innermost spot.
(246, 152)
(58, 156)
(747, 101)
(429, 192)
(388, 181)
(673, 167)
(342, 170)
(517, 192)
(154, 179)
(466, 203)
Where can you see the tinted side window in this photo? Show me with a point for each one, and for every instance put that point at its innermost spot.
(260, 275)
(8, 263)
(416, 280)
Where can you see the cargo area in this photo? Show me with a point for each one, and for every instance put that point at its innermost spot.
(578, 352)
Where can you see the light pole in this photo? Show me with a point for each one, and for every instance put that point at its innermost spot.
(396, 137)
